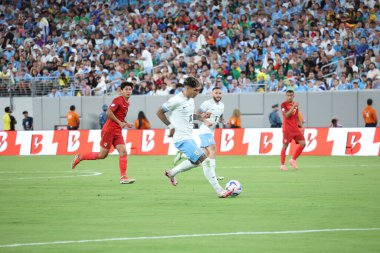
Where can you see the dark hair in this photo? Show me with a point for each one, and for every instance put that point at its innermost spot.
(369, 101)
(7, 109)
(24, 112)
(122, 86)
(192, 82)
(290, 91)
(72, 108)
(141, 116)
(216, 88)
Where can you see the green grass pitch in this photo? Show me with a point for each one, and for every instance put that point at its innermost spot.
(43, 201)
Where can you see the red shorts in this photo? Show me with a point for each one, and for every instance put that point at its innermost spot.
(289, 136)
(111, 138)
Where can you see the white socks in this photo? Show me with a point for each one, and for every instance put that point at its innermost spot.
(209, 172)
(183, 166)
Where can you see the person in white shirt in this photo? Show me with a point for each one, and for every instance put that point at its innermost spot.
(182, 107)
(373, 72)
(215, 107)
(146, 58)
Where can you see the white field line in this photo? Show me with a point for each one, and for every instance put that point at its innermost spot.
(190, 236)
(81, 174)
(303, 166)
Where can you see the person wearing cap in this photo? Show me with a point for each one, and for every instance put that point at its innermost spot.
(9, 52)
(103, 116)
(274, 118)
(222, 43)
(181, 107)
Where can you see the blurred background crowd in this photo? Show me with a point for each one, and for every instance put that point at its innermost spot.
(87, 48)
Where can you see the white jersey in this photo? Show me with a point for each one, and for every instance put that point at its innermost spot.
(216, 110)
(182, 110)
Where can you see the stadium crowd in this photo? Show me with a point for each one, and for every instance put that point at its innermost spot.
(87, 47)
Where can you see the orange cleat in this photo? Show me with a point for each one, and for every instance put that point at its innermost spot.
(76, 161)
(293, 163)
(283, 168)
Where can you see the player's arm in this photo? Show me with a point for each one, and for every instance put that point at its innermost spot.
(201, 116)
(289, 113)
(112, 116)
(222, 120)
(162, 116)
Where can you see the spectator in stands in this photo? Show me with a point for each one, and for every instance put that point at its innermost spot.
(142, 122)
(27, 121)
(54, 93)
(73, 120)
(373, 72)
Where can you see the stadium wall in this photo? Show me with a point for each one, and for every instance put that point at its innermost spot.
(248, 141)
(317, 108)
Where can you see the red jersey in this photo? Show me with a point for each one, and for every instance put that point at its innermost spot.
(119, 107)
(289, 124)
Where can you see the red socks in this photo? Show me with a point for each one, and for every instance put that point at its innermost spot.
(283, 155)
(298, 152)
(123, 165)
(89, 156)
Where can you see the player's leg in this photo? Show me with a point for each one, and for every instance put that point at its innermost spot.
(283, 156)
(192, 152)
(212, 154)
(105, 145)
(209, 173)
(300, 139)
(123, 159)
(209, 148)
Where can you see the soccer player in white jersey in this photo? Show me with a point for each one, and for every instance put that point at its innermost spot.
(182, 107)
(215, 107)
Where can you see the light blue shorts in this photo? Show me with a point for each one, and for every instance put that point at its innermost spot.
(190, 149)
(207, 140)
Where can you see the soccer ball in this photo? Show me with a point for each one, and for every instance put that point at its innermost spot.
(235, 185)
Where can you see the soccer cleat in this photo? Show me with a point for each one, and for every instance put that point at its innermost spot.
(293, 163)
(126, 180)
(283, 168)
(225, 193)
(76, 161)
(171, 179)
(219, 178)
(177, 157)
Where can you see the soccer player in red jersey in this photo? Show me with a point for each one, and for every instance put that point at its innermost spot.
(112, 134)
(292, 129)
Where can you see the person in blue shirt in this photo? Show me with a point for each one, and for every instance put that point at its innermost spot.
(103, 116)
(222, 42)
(27, 121)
